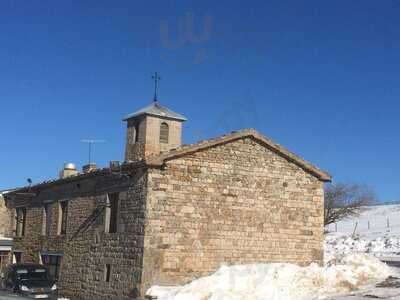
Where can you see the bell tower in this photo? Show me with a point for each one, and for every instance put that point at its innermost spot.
(152, 130)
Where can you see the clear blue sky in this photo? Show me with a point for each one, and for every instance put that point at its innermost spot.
(319, 77)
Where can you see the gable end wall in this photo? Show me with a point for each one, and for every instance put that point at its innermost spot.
(235, 203)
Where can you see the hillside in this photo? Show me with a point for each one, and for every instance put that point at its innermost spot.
(376, 231)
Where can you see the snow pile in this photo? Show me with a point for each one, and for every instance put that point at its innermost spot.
(281, 281)
(381, 246)
(347, 266)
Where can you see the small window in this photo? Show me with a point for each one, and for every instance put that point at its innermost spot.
(63, 216)
(164, 133)
(112, 213)
(136, 132)
(107, 273)
(47, 219)
(20, 221)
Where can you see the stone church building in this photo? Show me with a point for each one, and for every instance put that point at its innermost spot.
(171, 212)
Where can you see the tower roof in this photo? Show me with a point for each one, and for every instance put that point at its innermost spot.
(156, 109)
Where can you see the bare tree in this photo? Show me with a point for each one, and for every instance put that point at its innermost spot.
(343, 200)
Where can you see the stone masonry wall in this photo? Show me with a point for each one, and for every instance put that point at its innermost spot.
(236, 203)
(5, 231)
(5, 219)
(149, 137)
(87, 251)
(153, 145)
(134, 151)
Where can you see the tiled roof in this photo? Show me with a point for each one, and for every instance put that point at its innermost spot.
(156, 109)
(158, 160)
(77, 177)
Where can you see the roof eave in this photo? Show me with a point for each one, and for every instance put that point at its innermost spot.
(159, 160)
(80, 176)
(182, 119)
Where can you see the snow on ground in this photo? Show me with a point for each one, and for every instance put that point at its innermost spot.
(281, 281)
(375, 231)
(350, 267)
(382, 247)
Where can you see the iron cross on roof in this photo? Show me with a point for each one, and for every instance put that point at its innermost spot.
(156, 78)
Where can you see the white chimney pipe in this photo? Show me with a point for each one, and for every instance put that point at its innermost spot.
(68, 170)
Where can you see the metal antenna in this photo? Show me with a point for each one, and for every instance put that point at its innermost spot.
(91, 142)
(156, 78)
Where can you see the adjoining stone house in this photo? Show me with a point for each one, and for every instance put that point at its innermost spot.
(171, 213)
(5, 234)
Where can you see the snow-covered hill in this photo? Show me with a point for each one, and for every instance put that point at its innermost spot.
(373, 221)
(376, 231)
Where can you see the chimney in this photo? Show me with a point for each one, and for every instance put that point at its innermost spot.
(89, 168)
(68, 170)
